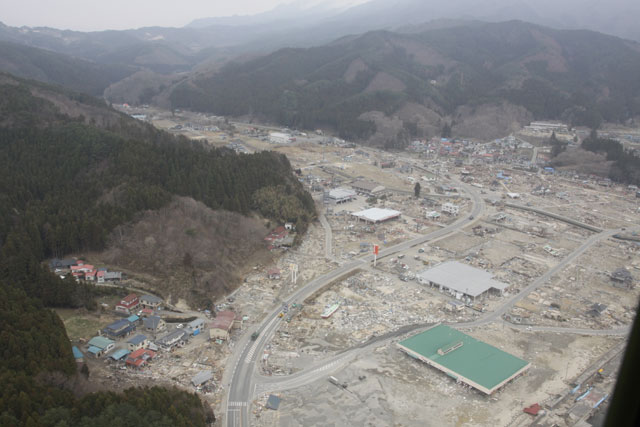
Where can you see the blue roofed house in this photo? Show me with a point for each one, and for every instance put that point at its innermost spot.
(133, 319)
(196, 326)
(119, 354)
(137, 342)
(118, 329)
(100, 345)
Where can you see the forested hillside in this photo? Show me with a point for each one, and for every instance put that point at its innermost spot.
(65, 184)
(447, 76)
(52, 67)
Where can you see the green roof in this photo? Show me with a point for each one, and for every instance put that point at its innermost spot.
(474, 362)
(100, 342)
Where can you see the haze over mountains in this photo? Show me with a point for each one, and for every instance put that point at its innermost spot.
(435, 63)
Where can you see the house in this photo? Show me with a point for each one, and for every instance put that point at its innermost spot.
(100, 345)
(450, 208)
(80, 269)
(195, 326)
(137, 342)
(118, 329)
(133, 319)
(90, 276)
(128, 303)
(273, 273)
(113, 276)
(221, 325)
(153, 323)
(100, 276)
(176, 338)
(277, 235)
(61, 263)
(150, 301)
(119, 354)
(146, 312)
(140, 358)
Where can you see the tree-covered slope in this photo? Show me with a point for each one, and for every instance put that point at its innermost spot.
(52, 67)
(578, 76)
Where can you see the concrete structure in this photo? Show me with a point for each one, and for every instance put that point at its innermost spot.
(367, 187)
(341, 195)
(450, 208)
(221, 325)
(128, 304)
(375, 215)
(460, 280)
(464, 358)
(279, 138)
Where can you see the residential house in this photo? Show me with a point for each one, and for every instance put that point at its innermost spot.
(62, 264)
(113, 276)
(80, 269)
(128, 303)
(119, 354)
(221, 325)
(367, 187)
(196, 326)
(140, 357)
(176, 338)
(153, 323)
(100, 345)
(137, 342)
(150, 301)
(622, 278)
(118, 329)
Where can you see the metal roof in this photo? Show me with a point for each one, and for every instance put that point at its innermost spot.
(377, 214)
(119, 354)
(461, 278)
(137, 339)
(77, 353)
(151, 299)
(341, 193)
(201, 377)
(273, 402)
(100, 342)
(465, 358)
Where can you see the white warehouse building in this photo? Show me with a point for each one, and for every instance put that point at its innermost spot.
(279, 138)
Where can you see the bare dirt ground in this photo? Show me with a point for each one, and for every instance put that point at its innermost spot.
(387, 387)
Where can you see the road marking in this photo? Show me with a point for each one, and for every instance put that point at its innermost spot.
(236, 404)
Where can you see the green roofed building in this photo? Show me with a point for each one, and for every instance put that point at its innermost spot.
(466, 359)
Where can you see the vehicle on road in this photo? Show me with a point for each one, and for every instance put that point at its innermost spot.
(254, 335)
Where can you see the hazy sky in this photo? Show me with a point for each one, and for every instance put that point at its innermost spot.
(89, 15)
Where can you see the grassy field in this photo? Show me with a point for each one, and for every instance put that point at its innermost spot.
(79, 325)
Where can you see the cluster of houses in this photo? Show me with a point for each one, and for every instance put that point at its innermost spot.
(83, 271)
(136, 340)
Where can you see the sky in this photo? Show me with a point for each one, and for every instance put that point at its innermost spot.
(95, 15)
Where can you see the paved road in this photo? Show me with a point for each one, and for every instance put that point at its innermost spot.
(241, 387)
(328, 237)
(321, 368)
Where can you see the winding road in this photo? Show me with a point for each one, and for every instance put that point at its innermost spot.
(245, 384)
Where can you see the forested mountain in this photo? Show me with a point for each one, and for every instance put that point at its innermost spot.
(72, 169)
(51, 67)
(465, 75)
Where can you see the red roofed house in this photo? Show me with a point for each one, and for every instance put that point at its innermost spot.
(81, 269)
(279, 233)
(273, 273)
(90, 275)
(139, 358)
(221, 325)
(128, 303)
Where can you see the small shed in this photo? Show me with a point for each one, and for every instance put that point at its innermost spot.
(119, 354)
(77, 354)
(273, 402)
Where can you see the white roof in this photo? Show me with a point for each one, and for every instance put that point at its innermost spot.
(377, 214)
(461, 278)
(279, 135)
(341, 193)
